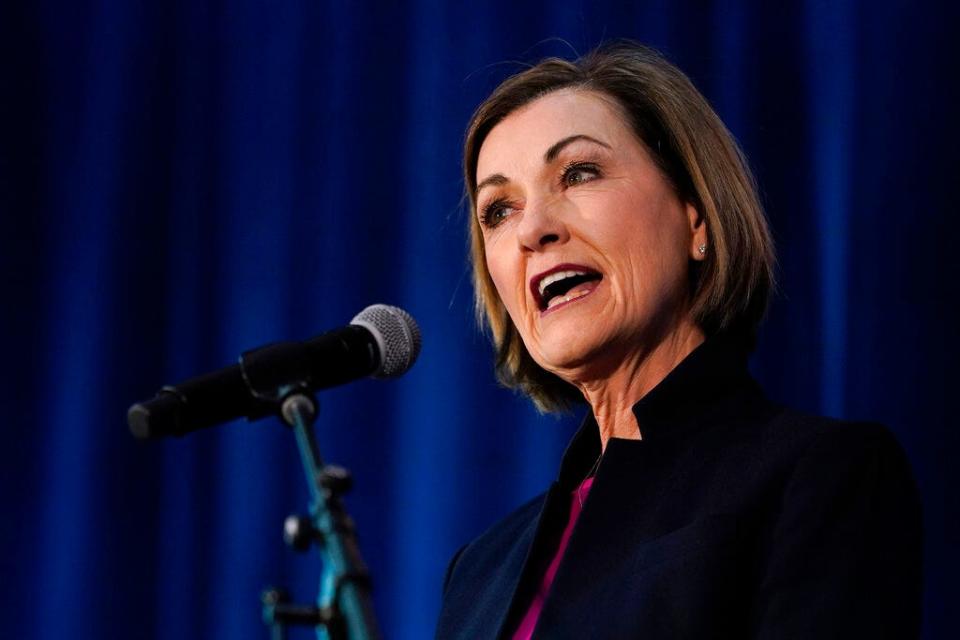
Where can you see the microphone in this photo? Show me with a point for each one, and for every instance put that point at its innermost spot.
(381, 341)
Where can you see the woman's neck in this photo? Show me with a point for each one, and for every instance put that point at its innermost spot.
(612, 396)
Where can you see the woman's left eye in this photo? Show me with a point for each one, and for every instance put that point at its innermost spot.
(580, 173)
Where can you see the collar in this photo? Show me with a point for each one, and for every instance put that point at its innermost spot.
(706, 386)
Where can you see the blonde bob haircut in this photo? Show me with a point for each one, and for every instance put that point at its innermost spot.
(698, 156)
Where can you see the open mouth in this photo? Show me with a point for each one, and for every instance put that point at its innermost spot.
(563, 284)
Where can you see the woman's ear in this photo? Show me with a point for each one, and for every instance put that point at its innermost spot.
(698, 233)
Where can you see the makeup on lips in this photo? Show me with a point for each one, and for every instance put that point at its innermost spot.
(563, 284)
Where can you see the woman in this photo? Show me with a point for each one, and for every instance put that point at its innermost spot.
(621, 257)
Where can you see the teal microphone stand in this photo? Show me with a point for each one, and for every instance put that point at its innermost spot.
(344, 610)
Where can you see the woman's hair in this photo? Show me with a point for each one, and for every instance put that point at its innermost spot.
(693, 150)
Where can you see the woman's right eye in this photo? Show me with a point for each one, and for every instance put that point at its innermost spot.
(494, 213)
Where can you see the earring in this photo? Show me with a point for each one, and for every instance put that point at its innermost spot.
(702, 249)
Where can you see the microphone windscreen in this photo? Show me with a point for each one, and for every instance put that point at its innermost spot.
(397, 335)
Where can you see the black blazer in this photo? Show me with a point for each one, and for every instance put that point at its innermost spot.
(731, 518)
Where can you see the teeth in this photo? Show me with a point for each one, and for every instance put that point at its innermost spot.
(559, 275)
(554, 301)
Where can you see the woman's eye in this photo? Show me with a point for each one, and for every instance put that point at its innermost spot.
(494, 213)
(579, 173)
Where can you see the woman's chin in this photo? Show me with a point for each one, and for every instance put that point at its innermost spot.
(569, 353)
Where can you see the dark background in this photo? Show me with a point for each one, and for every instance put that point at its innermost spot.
(181, 181)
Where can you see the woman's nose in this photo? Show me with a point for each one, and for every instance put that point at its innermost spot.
(541, 225)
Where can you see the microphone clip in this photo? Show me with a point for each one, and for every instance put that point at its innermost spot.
(275, 371)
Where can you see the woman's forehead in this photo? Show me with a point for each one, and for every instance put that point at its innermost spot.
(524, 136)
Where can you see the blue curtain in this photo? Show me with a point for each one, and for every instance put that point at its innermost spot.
(181, 181)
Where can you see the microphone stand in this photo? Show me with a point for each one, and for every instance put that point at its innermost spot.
(344, 610)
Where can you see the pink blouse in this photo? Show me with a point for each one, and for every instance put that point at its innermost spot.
(529, 621)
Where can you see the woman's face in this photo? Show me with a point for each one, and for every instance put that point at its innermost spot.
(585, 240)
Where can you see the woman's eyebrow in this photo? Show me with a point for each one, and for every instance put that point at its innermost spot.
(558, 146)
(496, 179)
(551, 154)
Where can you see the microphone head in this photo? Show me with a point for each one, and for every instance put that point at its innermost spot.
(397, 335)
